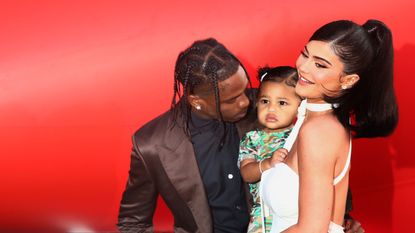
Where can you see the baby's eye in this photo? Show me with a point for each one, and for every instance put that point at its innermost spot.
(283, 103)
(264, 101)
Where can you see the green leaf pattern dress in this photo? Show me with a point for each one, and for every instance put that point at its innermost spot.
(259, 145)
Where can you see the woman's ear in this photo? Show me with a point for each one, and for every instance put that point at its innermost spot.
(349, 81)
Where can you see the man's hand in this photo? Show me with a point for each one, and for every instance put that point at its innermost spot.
(353, 226)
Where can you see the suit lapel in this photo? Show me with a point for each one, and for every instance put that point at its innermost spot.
(179, 162)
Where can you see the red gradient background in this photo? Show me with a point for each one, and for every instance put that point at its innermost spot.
(77, 78)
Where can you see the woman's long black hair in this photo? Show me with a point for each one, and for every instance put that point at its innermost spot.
(367, 51)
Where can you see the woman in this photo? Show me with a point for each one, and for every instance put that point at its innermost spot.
(346, 75)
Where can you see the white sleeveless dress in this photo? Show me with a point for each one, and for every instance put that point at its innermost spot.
(279, 192)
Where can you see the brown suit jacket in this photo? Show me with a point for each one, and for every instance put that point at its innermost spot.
(163, 162)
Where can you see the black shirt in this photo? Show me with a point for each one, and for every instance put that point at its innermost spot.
(220, 174)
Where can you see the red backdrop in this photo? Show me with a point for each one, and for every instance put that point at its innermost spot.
(77, 78)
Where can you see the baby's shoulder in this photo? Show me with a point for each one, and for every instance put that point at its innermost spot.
(253, 136)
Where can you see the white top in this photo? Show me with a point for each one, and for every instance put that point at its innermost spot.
(280, 189)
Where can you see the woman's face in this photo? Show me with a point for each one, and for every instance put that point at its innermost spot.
(319, 70)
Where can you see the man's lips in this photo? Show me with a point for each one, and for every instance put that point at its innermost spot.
(242, 114)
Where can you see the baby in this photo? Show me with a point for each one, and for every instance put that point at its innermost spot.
(260, 149)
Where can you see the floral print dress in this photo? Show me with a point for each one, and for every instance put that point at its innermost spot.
(259, 145)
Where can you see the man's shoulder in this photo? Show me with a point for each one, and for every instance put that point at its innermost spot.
(166, 130)
(159, 121)
(155, 127)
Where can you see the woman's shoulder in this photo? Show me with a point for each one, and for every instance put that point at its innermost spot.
(322, 135)
(325, 124)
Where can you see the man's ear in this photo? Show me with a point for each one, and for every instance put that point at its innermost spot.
(195, 101)
(349, 81)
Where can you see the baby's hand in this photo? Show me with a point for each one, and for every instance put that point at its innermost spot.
(278, 156)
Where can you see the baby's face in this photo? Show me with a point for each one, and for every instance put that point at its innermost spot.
(277, 106)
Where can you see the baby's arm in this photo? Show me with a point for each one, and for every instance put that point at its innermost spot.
(251, 169)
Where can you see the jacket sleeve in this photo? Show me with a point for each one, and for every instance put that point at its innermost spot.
(139, 198)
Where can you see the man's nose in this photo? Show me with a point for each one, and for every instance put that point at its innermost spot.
(244, 102)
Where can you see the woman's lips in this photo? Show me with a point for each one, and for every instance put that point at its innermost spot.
(303, 80)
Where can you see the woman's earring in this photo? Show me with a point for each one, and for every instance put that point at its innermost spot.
(198, 107)
(344, 87)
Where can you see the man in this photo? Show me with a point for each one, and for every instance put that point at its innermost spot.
(188, 155)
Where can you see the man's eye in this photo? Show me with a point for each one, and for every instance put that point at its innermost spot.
(283, 103)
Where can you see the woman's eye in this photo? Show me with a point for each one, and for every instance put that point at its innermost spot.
(318, 65)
